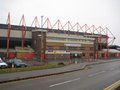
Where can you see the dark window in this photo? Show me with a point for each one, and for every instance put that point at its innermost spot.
(49, 47)
(91, 54)
(83, 54)
(91, 48)
(62, 48)
(82, 48)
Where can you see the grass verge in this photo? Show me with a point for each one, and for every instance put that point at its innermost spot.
(30, 68)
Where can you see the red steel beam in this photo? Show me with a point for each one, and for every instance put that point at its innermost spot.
(112, 37)
(96, 29)
(59, 25)
(100, 38)
(8, 35)
(22, 21)
(79, 27)
(69, 27)
(107, 39)
(36, 22)
(84, 28)
(49, 25)
(74, 27)
(89, 28)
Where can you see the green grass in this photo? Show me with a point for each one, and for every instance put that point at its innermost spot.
(29, 68)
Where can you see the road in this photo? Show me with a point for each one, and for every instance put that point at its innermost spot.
(95, 77)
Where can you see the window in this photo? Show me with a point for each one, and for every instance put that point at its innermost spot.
(72, 39)
(49, 47)
(56, 38)
(83, 54)
(91, 54)
(91, 48)
(82, 48)
(73, 48)
(62, 48)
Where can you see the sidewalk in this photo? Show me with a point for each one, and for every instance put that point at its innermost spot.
(47, 72)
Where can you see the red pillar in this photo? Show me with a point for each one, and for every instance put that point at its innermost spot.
(8, 35)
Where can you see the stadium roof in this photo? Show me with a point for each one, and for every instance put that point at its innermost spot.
(28, 28)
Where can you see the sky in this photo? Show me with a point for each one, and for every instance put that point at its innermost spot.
(104, 13)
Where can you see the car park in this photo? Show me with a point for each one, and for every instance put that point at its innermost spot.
(3, 64)
(16, 63)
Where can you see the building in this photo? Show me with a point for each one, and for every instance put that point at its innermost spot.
(53, 44)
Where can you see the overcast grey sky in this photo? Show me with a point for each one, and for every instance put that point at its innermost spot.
(105, 13)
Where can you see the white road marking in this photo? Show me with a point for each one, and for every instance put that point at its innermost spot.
(91, 75)
(64, 82)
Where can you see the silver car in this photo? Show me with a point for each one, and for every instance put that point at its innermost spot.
(3, 64)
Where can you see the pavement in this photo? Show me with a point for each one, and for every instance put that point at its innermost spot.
(48, 72)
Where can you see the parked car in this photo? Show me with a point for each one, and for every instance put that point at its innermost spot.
(3, 64)
(16, 63)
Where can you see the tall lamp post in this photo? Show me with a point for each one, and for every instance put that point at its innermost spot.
(42, 58)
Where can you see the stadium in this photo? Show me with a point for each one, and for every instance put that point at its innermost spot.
(55, 42)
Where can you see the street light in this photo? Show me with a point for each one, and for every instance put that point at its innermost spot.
(41, 36)
(42, 21)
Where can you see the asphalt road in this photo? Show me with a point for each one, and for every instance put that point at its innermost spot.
(95, 77)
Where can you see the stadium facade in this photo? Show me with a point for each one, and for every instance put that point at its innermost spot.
(53, 44)
(53, 41)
